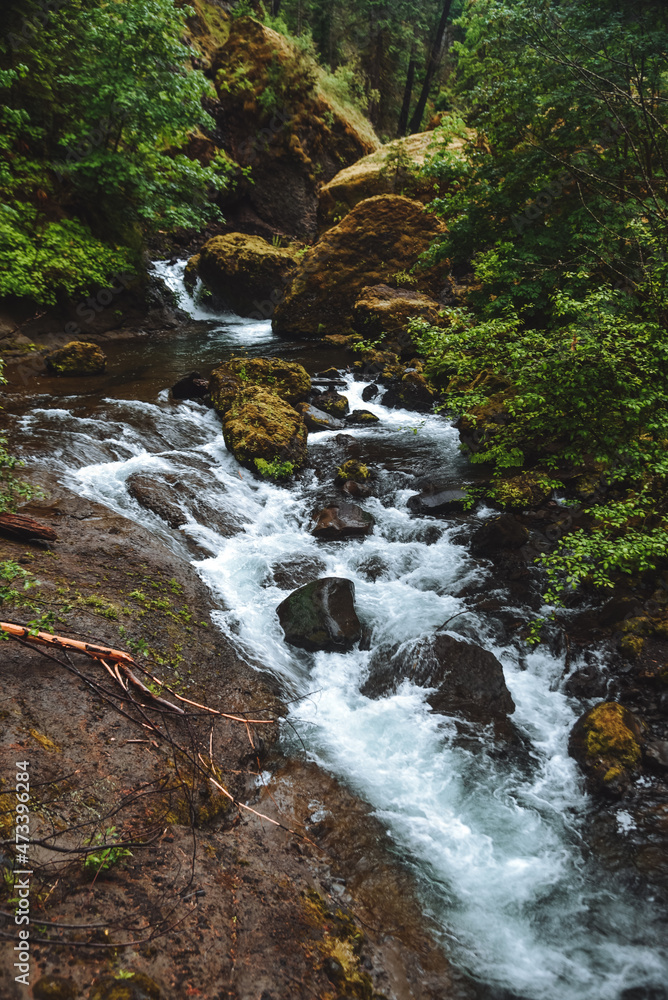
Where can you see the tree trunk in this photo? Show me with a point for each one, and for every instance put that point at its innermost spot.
(25, 528)
(432, 66)
(408, 93)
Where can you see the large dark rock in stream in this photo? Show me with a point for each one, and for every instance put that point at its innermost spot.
(321, 615)
(439, 502)
(173, 496)
(468, 679)
(190, 386)
(317, 420)
(342, 520)
(499, 534)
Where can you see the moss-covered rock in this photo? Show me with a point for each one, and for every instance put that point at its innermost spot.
(286, 379)
(242, 272)
(334, 403)
(381, 311)
(191, 273)
(379, 239)
(137, 987)
(277, 117)
(411, 392)
(353, 471)
(260, 425)
(54, 988)
(76, 358)
(606, 742)
(362, 418)
(317, 420)
(529, 489)
(392, 169)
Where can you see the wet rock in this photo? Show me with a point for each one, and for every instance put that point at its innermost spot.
(357, 490)
(138, 987)
(286, 379)
(151, 494)
(318, 420)
(190, 386)
(362, 418)
(370, 392)
(292, 573)
(170, 495)
(525, 491)
(380, 237)
(243, 272)
(439, 502)
(333, 402)
(504, 532)
(76, 358)
(656, 756)
(191, 273)
(321, 615)
(54, 988)
(412, 392)
(353, 470)
(606, 743)
(259, 425)
(469, 680)
(381, 311)
(344, 520)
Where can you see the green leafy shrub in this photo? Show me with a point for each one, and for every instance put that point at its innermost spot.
(106, 858)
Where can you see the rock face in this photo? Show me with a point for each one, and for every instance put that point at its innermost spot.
(293, 143)
(392, 169)
(606, 742)
(439, 502)
(343, 520)
(318, 420)
(76, 358)
(504, 532)
(285, 379)
(469, 680)
(260, 425)
(381, 311)
(243, 272)
(321, 615)
(379, 238)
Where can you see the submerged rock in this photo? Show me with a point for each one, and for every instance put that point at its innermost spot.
(167, 493)
(321, 615)
(295, 572)
(260, 425)
(379, 238)
(76, 358)
(468, 679)
(190, 386)
(606, 743)
(343, 520)
(286, 379)
(317, 420)
(242, 271)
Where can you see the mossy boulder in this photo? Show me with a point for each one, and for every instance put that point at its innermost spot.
(527, 490)
(260, 425)
(607, 744)
(242, 272)
(191, 273)
(317, 420)
(381, 311)
(362, 418)
(411, 392)
(321, 615)
(137, 987)
(54, 988)
(76, 358)
(334, 403)
(392, 169)
(286, 379)
(276, 116)
(353, 471)
(380, 238)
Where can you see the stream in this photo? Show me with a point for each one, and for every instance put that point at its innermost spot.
(495, 839)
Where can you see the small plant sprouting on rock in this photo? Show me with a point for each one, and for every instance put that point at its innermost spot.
(106, 858)
(275, 469)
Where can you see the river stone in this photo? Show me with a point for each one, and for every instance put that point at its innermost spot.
(439, 502)
(504, 532)
(370, 392)
(76, 358)
(190, 386)
(342, 520)
(333, 402)
(411, 392)
(243, 271)
(607, 744)
(321, 615)
(318, 420)
(261, 425)
(294, 572)
(469, 680)
(166, 493)
(286, 379)
(362, 418)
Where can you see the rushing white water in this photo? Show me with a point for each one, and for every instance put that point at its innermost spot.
(495, 839)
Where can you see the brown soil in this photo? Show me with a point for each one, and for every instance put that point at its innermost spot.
(215, 902)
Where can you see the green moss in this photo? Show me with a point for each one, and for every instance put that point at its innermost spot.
(608, 737)
(526, 490)
(353, 470)
(632, 647)
(286, 379)
(76, 358)
(259, 424)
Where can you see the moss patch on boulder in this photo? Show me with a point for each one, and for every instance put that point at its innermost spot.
(259, 424)
(242, 272)
(76, 358)
(380, 238)
(606, 742)
(286, 379)
(381, 311)
(529, 489)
